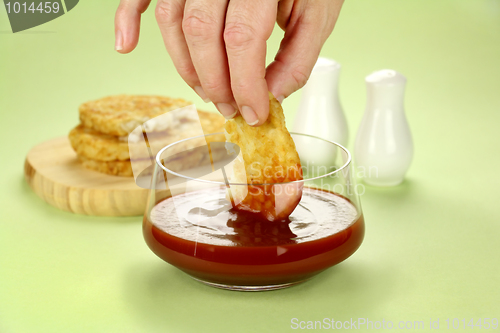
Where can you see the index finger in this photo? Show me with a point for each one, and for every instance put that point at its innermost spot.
(127, 24)
(248, 26)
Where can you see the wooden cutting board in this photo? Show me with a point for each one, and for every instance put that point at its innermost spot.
(54, 173)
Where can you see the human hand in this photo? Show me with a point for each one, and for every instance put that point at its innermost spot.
(219, 46)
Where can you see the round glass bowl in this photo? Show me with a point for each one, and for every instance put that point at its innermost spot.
(190, 221)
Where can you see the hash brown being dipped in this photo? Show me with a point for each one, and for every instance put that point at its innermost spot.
(268, 156)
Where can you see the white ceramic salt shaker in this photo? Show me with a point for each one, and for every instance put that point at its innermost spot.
(384, 148)
(320, 112)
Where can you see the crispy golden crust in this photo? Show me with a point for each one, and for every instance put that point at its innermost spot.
(268, 156)
(119, 115)
(268, 146)
(211, 122)
(103, 147)
(94, 145)
(184, 161)
(115, 168)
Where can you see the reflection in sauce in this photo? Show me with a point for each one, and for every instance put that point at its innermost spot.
(199, 233)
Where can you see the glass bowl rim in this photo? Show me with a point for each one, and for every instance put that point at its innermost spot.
(345, 165)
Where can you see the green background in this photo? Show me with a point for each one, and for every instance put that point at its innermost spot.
(432, 244)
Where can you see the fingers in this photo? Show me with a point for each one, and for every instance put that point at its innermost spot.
(203, 25)
(169, 14)
(248, 26)
(127, 23)
(306, 31)
(283, 16)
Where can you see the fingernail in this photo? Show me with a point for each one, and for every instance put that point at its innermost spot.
(280, 98)
(118, 40)
(199, 90)
(249, 115)
(227, 110)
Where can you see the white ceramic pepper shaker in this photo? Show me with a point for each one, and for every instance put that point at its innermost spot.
(384, 148)
(320, 112)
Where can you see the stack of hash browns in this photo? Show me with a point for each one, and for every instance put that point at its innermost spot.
(101, 138)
